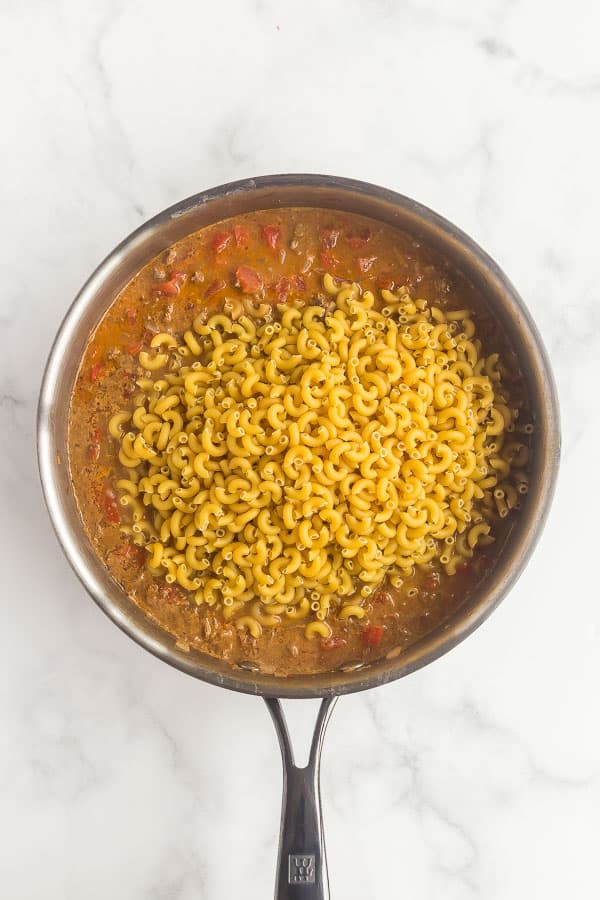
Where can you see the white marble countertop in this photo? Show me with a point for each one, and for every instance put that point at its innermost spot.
(478, 777)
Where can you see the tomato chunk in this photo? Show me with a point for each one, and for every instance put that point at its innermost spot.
(129, 550)
(288, 284)
(214, 288)
(94, 446)
(385, 282)
(328, 260)
(272, 236)
(248, 279)
(381, 596)
(298, 283)
(111, 509)
(333, 643)
(96, 371)
(372, 635)
(365, 263)
(134, 348)
(282, 288)
(240, 235)
(462, 568)
(167, 288)
(131, 316)
(359, 239)
(220, 241)
(132, 552)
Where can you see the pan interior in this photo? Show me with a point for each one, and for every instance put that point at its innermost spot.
(268, 193)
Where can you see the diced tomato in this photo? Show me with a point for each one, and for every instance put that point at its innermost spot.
(328, 260)
(372, 635)
(214, 288)
(132, 552)
(131, 316)
(96, 371)
(329, 238)
(128, 550)
(240, 236)
(248, 279)
(359, 239)
(167, 288)
(94, 446)
(333, 643)
(462, 568)
(297, 283)
(288, 284)
(282, 288)
(365, 262)
(111, 509)
(382, 597)
(134, 348)
(172, 287)
(220, 240)
(385, 282)
(272, 235)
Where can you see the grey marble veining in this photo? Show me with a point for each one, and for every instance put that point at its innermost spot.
(476, 778)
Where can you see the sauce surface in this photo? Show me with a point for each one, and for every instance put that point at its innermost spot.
(278, 254)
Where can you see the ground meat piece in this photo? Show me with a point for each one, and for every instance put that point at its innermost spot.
(324, 300)
(129, 388)
(299, 232)
(249, 643)
(150, 330)
(329, 238)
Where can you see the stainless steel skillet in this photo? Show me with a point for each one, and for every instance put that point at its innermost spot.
(302, 871)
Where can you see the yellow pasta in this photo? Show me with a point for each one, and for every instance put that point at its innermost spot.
(281, 466)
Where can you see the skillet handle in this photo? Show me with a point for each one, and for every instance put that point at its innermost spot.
(302, 864)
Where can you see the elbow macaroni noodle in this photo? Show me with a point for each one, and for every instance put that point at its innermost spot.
(280, 469)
